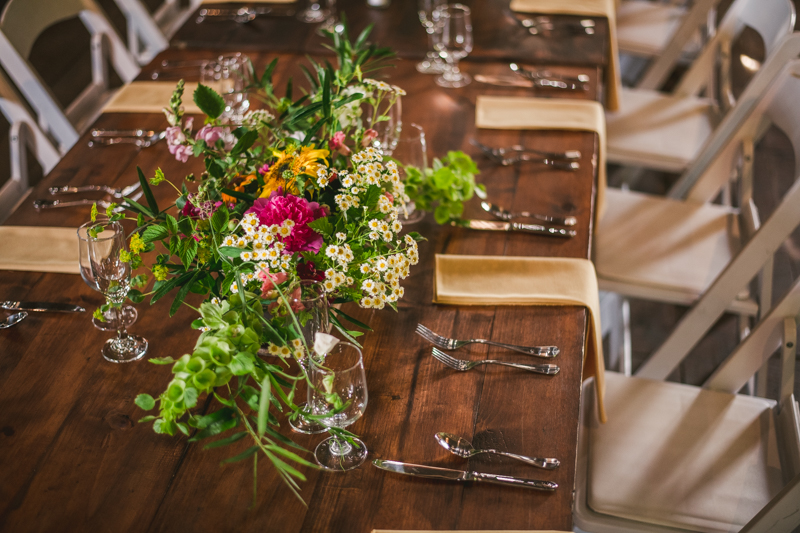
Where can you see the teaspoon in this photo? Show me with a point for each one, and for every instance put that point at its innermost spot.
(463, 448)
(13, 320)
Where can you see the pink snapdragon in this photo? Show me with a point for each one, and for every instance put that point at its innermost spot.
(264, 169)
(176, 139)
(270, 281)
(369, 136)
(210, 134)
(280, 207)
(337, 143)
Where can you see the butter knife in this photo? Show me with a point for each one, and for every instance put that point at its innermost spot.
(491, 225)
(43, 307)
(434, 472)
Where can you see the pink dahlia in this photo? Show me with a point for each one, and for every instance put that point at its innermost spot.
(279, 207)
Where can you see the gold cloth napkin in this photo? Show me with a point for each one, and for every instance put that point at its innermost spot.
(488, 280)
(523, 113)
(248, 2)
(462, 531)
(150, 97)
(600, 8)
(39, 249)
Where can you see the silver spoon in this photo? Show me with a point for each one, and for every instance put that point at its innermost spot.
(13, 320)
(463, 448)
(502, 214)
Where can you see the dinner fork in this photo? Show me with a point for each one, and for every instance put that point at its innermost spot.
(572, 166)
(50, 204)
(147, 138)
(501, 153)
(116, 192)
(453, 344)
(463, 366)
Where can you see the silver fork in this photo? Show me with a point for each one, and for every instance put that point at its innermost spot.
(462, 366)
(453, 344)
(148, 138)
(116, 192)
(571, 166)
(500, 153)
(50, 204)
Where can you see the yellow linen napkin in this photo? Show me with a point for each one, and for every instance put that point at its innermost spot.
(600, 8)
(151, 97)
(243, 2)
(487, 280)
(523, 113)
(461, 531)
(39, 249)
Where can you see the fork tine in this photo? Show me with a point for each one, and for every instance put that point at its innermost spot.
(431, 337)
(446, 359)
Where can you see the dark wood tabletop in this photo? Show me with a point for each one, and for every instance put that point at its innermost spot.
(73, 458)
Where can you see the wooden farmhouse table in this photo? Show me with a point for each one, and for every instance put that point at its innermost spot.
(73, 458)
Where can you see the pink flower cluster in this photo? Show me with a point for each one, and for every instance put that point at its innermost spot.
(279, 207)
(176, 139)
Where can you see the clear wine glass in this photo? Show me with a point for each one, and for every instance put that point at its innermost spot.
(432, 64)
(339, 385)
(113, 277)
(411, 149)
(129, 313)
(388, 130)
(229, 76)
(453, 40)
(312, 311)
(317, 11)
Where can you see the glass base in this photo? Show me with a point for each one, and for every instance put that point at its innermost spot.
(129, 316)
(414, 215)
(453, 82)
(131, 348)
(314, 16)
(309, 427)
(338, 455)
(431, 66)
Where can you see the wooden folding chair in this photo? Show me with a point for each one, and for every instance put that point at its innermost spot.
(668, 131)
(21, 22)
(675, 457)
(23, 134)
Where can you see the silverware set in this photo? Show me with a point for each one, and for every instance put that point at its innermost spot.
(463, 448)
(241, 15)
(462, 365)
(545, 26)
(118, 193)
(566, 160)
(498, 212)
(140, 138)
(446, 343)
(38, 307)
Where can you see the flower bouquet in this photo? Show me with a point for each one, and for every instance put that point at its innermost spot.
(296, 193)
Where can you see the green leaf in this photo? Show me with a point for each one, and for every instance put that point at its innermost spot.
(135, 296)
(188, 251)
(148, 192)
(230, 251)
(350, 319)
(162, 360)
(322, 226)
(244, 455)
(219, 220)
(245, 142)
(226, 441)
(154, 233)
(266, 78)
(240, 195)
(169, 285)
(241, 364)
(209, 101)
(145, 402)
(172, 224)
(263, 405)
(182, 295)
(215, 429)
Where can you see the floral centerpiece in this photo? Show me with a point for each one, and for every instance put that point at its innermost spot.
(295, 192)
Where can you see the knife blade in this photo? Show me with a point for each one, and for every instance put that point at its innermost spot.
(42, 307)
(491, 225)
(435, 472)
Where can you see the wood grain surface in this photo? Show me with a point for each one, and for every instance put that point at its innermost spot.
(72, 457)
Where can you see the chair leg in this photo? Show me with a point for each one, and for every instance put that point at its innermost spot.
(627, 355)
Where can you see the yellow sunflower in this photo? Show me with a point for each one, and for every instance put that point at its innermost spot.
(307, 161)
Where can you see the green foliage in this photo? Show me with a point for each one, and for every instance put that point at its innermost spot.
(445, 187)
(209, 101)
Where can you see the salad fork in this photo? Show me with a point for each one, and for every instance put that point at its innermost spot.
(116, 192)
(105, 204)
(462, 365)
(145, 139)
(453, 344)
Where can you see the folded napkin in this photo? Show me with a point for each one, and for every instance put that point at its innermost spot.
(248, 1)
(523, 113)
(600, 8)
(487, 280)
(463, 531)
(39, 249)
(150, 97)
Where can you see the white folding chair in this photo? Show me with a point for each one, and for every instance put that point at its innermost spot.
(697, 253)
(23, 134)
(145, 37)
(21, 22)
(664, 31)
(675, 458)
(668, 131)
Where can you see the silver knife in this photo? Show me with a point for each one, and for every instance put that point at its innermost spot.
(435, 472)
(491, 225)
(543, 83)
(42, 307)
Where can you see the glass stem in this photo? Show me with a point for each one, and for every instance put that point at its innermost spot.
(339, 447)
(122, 333)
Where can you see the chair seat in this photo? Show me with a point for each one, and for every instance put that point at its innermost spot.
(679, 456)
(664, 244)
(645, 28)
(658, 131)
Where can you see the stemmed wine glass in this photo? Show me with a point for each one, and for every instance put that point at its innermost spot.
(320, 11)
(128, 312)
(411, 149)
(229, 76)
(389, 127)
(432, 64)
(453, 41)
(313, 303)
(113, 277)
(339, 389)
